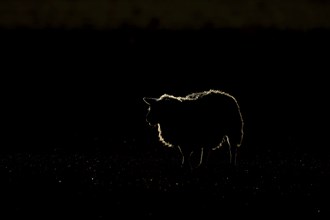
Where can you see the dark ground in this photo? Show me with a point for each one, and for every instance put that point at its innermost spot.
(75, 143)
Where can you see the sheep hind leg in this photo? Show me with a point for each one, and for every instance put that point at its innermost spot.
(200, 158)
(182, 156)
(226, 139)
(232, 152)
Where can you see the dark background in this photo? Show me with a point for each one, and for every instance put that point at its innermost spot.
(75, 142)
(81, 83)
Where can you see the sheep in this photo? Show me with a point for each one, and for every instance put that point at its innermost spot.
(197, 122)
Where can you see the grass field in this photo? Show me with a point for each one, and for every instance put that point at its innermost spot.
(151, 184)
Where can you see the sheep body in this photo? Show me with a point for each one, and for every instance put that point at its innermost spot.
(197, 122)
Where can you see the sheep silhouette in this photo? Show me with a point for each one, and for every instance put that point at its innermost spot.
(198, 122)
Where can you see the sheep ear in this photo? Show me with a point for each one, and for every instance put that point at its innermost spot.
(149, 101)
